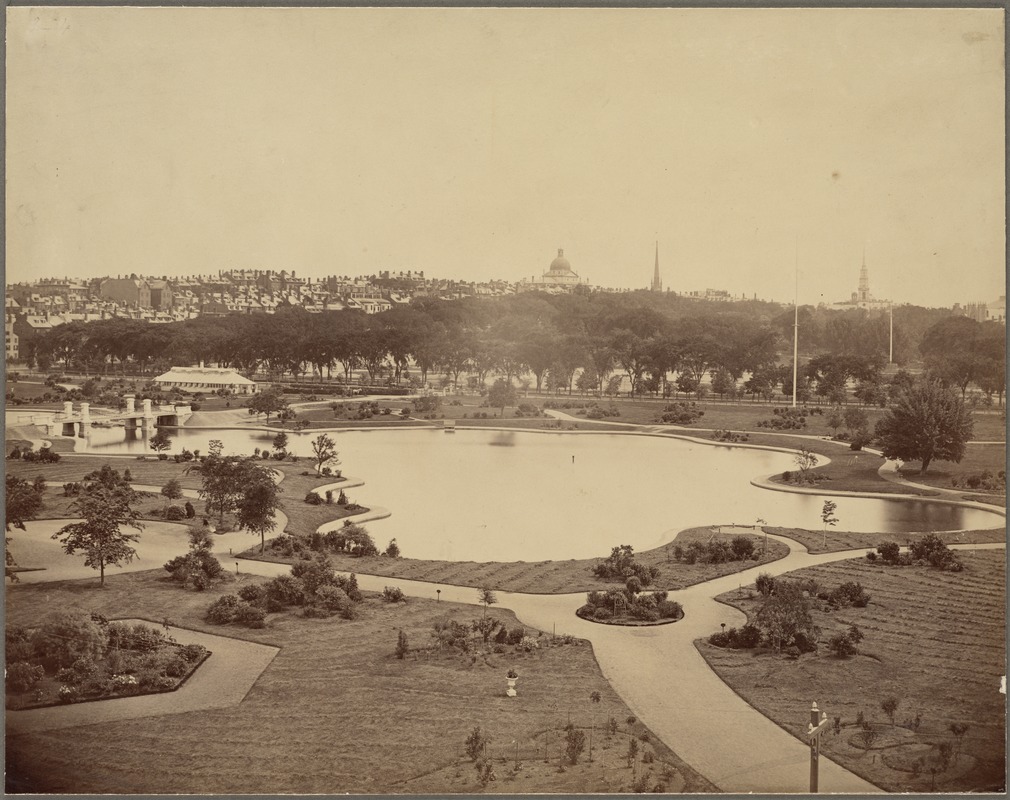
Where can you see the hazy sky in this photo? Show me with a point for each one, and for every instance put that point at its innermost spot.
(474, 143)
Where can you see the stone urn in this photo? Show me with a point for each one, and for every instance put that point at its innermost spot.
(511, 677)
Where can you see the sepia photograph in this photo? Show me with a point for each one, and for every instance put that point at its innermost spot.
(520, 400)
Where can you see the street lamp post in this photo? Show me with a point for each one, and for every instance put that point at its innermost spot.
(818, 724)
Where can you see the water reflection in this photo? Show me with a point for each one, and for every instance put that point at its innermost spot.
(557, 496)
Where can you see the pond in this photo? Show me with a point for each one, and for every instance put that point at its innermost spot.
(509, 496)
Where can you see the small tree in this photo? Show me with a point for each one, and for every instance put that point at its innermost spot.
(486, 597)
(267, 402)
(889, 705)
(401, 645)
(502, 394)
(392, 549)
(324, 450)
(806, 461)
(280, 442)
(784, 619)
(959, 729)
(476, 744)
(575, 743)
(161, 441)
(171, 491)
(828, 518)
(106, 508)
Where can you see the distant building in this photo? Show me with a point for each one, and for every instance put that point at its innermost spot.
(128, 291)
(861, 298)
(983, 312)
(161, 294)
(559, 277)
(657, 282)
(205, 379)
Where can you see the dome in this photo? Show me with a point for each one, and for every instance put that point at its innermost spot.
(560, 264)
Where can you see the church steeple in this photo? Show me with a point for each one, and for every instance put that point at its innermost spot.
(863, 294)
(657, 282)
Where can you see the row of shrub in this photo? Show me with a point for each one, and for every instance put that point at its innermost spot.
(353, 540)
(786, 419)
(44, 455)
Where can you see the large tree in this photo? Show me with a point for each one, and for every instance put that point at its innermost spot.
(927, 422)
(106, 505)
(502, 394)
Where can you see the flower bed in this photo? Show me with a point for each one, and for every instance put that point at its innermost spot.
(74, 657)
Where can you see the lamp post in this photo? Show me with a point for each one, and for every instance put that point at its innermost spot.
(818, 724)
(438, 595)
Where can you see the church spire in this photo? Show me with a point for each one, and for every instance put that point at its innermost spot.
(657, 282)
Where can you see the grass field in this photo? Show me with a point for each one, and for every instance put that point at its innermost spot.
(933, 640)
(337, 712)
(549, 577)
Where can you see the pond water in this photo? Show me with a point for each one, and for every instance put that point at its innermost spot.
(509, 496)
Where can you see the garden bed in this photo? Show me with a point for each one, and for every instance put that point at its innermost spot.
(133, 660)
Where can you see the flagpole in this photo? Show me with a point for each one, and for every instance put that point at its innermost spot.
(796, 320)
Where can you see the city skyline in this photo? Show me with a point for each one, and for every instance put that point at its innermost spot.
(473, 143)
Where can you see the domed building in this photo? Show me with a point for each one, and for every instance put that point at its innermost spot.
(559, 277)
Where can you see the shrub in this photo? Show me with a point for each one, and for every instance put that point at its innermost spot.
(680, 413)
(401, 645)
(66, 636)
(249, 615)
(190, 511)
(192, 652)
(175, 513)
(222, 611)
(889, 552)
(176, 667)
(313, 499)
(22, 676)
(765, 584)
(392, 549)
(393, 594)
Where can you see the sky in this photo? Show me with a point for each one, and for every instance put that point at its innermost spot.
(752, 144)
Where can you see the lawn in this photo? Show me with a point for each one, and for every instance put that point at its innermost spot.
(934, 640)
(337, 712)
(818, 542)
(548, 577)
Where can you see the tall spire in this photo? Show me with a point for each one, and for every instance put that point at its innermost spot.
(863, 295)
(657, 282)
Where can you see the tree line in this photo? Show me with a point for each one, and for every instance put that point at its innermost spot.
(580, 341)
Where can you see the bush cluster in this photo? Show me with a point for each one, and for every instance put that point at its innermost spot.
(45, 455)
(929, 550)
(604, 606)
(788, 418)
(984, 481)
(88, 657)
(717, 551)
(729, 436)
(594, 410)
(621, 565)
(745, 638)
(680, 413)
(312, 586)
(528, 410)
(849, 594)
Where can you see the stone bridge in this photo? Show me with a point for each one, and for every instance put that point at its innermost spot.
(76, 423)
